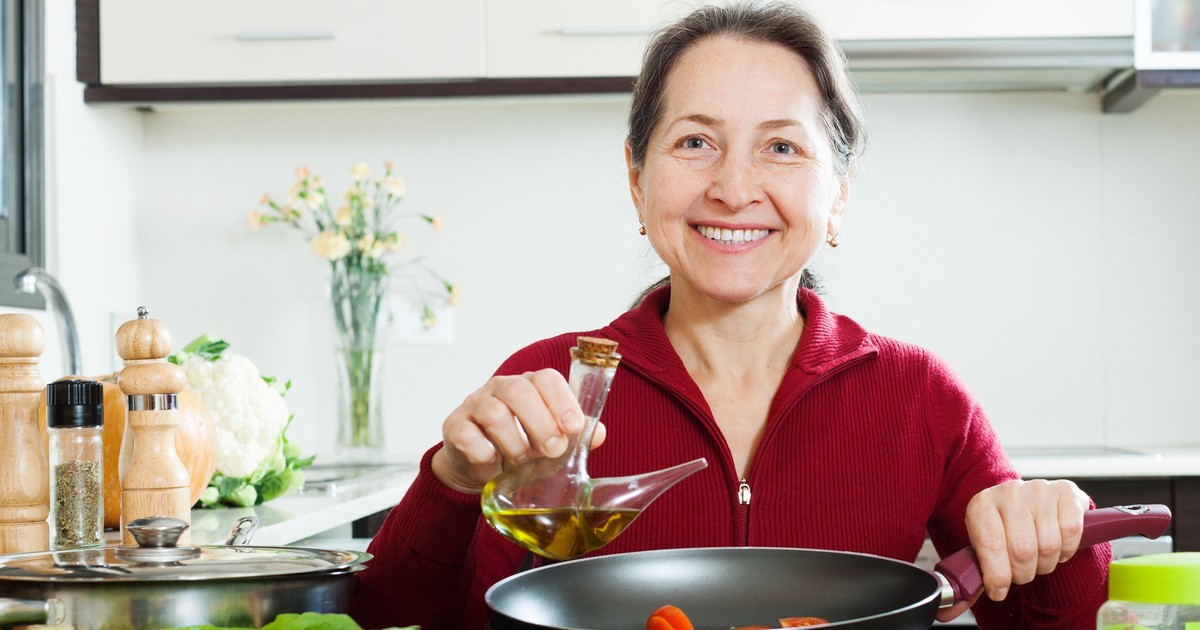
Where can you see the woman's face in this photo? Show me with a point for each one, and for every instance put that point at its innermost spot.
(738, 189)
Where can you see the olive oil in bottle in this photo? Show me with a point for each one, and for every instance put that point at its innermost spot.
(550, 505)
(562, 533)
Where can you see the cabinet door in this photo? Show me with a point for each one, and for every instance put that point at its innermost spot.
(972, 19)
(557, 38)
(539, 38)
(279, 41)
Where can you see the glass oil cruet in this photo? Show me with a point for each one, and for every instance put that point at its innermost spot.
(550, 505)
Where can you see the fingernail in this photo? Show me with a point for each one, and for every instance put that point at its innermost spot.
(554, 446)
(572, 421)
(1000, 594)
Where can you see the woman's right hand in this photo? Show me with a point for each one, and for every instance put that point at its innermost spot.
(509, 420)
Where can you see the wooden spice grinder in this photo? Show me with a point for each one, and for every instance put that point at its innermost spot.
(24, 470)
(154, 481)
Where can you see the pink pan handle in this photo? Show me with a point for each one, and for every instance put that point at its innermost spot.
(961, 568)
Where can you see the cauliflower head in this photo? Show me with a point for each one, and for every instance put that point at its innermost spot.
(255, 460)
(250, 415)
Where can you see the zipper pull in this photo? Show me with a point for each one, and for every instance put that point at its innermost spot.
(743, 492)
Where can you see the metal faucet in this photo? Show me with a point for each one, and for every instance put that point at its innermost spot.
(36, 278)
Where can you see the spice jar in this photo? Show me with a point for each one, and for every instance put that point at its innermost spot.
(1159, 592)
(74, 416)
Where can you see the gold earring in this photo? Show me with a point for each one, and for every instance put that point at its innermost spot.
(642, 229)
(832, 239)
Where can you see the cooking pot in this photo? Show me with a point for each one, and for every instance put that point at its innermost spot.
(160, 585)
(723, 587)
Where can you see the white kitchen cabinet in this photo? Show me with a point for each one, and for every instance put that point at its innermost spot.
(558, 38)
(973, 19)
(184, 42)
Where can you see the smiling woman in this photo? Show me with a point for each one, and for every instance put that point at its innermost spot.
(22, 223)
(743, 135)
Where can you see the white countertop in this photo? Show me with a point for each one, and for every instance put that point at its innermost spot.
(333, 496)
(336, 495)
(1091, 462)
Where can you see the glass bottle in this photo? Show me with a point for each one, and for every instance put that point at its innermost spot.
(550, 505)
(1159, 592)
(75, 418)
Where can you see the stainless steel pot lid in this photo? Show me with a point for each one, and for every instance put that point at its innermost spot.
(212, 562)
(157, 558)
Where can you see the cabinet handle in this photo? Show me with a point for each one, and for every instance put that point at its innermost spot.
(276, 36)
(587, 31)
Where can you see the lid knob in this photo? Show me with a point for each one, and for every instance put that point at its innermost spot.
(157, 531)
(156, 537)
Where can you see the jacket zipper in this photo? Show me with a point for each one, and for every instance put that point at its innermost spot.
(743, 491)
(743, 495)
(744, 484)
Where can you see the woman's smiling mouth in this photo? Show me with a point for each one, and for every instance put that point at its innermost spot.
(728, 236)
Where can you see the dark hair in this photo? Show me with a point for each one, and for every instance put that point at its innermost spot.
(772, 23)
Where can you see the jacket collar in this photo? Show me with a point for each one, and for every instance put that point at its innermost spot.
(829, 340)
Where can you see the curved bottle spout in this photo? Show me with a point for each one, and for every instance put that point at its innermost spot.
(551, 506)
(636, 492)
(565, 520)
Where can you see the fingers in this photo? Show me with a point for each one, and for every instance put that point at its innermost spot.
(557, 416)
(985, 526)
(1070, 518)
(509, 420)
(1021, 529)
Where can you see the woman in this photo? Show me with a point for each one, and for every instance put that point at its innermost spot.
(742, 139)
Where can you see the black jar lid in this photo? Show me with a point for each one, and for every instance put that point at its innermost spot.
(74, 403)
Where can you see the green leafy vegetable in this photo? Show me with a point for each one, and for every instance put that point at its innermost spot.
(259, 464)
(304, 621)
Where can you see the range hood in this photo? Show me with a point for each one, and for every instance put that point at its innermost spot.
(1081, 64)
(1163, 52)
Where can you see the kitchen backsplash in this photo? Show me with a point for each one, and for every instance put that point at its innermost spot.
(1045, 249)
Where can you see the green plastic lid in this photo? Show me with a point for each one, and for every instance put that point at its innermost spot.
(1168, 578)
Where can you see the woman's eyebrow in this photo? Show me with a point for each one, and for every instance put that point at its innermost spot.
(703, 119)
(778, 123)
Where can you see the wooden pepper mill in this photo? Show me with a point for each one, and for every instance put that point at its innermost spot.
(154, 481)
(24, 469)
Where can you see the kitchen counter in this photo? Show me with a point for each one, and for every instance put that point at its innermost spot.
(1106, 462)
(334, 495)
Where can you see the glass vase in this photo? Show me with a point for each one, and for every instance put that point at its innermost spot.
(361, 320)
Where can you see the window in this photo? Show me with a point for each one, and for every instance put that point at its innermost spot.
(22, 215)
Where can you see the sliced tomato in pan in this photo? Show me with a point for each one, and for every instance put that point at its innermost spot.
(801, 622)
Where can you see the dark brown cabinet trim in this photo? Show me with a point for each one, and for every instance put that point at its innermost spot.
(292, 92)
(87, 71)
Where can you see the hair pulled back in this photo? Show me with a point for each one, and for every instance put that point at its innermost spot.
(770, 23)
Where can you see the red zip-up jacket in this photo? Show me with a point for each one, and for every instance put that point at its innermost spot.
(870, 444)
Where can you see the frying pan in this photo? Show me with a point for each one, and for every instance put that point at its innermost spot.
(722, 587)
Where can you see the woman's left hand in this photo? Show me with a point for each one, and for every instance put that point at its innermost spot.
(1022, 529)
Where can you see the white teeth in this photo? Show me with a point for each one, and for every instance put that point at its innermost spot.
(728, 236)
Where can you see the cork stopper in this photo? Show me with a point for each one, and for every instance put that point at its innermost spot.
(144, 344)
(596, 352)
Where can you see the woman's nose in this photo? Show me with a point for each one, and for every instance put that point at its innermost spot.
(735, 183)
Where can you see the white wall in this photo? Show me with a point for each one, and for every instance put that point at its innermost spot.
(1045, 249)
(93, 176)
(539, 232)
(1039, 245)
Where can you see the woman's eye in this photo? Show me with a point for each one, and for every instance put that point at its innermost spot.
(694, 143)
(782, 148)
